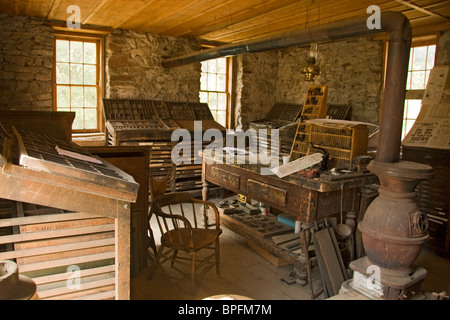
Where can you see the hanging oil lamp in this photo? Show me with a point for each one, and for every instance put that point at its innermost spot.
(311, 70)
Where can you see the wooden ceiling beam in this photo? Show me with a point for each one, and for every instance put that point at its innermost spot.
(421, 9)
(134, 13)
(94, 11)
(55, 6)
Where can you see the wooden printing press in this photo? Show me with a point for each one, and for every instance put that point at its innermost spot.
(150, 123)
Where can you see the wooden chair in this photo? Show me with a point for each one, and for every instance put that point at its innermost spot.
(180, 228)
(158, 187)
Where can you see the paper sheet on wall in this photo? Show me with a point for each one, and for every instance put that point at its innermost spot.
(432, 127)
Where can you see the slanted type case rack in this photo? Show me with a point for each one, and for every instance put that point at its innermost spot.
(150, 123)
(65, 214)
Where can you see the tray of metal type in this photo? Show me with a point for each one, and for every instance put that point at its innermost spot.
(129, 109)
(180, 111)
(338, 111)
(285, 112)
(201, 110)
(258, 225)
(65, 158)
(267, 124)
(136, 125)
(205, 125)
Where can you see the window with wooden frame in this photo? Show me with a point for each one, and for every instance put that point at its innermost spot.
(421, 62)
(77, 79)
(215, 89)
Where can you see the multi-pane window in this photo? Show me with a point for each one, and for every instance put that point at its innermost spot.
(214, 88)
(77, 83)
(421, 62)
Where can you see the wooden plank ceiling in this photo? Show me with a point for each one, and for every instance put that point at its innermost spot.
(227, 21)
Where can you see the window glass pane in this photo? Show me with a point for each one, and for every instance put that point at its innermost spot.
(204, 66)
(211, 82)
(418, 80)
(409, 125)
(90, 74)
(90, 53)
(76, 74)
(204, 81)
(63, 97)
(78, 122)
(76, 97)
(221, 117)
(221, 82)
(212, 101)
(212, 66)
(62, 73)
(222, 102)
(76, 52)
(90, 97)
(419, 58)
(204, 97)
(410, 59)
(90, 118)
(62, 51)
(413, 108)
(431, 56)
(408, 81)
(222, 66)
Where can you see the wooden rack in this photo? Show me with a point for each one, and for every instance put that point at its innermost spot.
(343, 140)
(315, 107)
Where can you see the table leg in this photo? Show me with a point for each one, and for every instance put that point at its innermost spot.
(205, 190)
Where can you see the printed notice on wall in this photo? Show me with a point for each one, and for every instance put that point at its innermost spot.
(432, 127)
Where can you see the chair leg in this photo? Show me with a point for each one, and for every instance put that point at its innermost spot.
(193, 264)
(217, 248)
(158, 256)
(174, 256)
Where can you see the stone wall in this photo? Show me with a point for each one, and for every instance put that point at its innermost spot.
(133, 67)
(255, 87)
(26, 51)
(443, 49)
(352, 70)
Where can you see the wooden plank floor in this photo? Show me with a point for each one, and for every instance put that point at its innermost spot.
(246, 273)
(243, 272)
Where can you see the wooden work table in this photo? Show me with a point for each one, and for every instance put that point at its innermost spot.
(309, 200)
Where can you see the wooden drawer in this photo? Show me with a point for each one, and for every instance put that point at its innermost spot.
(223, 177)
(263, 190)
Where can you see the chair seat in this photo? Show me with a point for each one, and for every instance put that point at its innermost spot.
(202, 238)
